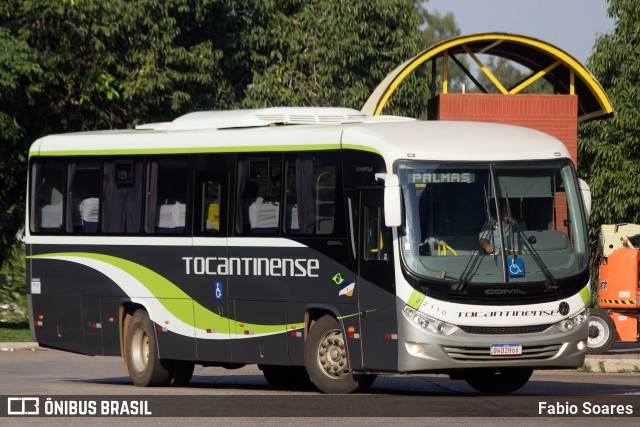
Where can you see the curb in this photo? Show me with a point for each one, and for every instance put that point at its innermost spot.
(13, 346)
(606, 365)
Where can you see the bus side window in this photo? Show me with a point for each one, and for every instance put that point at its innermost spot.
(311, 194)
(47, 195)
(84, 177)
(121, 210)
(167, 188)
(258, 194)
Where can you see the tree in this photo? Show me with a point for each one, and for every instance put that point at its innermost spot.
(18, 63)
(330, 52)
(609, 150)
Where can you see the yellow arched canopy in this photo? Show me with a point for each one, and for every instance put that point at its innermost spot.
(565, 73)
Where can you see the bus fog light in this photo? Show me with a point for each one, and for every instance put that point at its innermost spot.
(428, 323)
(581, 345)
(574, 321)
(415, 348)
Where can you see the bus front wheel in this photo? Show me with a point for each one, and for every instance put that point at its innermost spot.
(327, 362)
(498, 381)
(146, 369)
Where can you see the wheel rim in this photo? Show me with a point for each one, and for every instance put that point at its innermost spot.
(598, 333)
(332, 355)
(140, 349)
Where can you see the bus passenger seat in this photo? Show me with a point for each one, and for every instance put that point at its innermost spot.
(171, 219)
(263, 216)
(291, 220)
(89, 209)
(51, 218)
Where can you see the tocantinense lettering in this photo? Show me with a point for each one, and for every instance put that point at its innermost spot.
(223, 266)
(508, 313)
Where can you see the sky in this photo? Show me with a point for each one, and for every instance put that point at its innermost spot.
(570, 25)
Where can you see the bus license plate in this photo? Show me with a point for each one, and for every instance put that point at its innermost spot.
(505, 349)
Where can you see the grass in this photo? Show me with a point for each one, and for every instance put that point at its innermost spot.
(14, 332)
(585, 368)
(635, 370)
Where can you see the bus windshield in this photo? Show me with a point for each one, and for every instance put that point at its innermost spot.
(507, 222)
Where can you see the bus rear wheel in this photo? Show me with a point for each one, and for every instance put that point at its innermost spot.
(146, 369)
(327, 362)
(498, 381)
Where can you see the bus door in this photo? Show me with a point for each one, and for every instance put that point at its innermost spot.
(376, 285)
(208, 284)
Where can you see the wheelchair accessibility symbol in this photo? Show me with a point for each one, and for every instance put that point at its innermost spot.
(218, 290)
(516, 267)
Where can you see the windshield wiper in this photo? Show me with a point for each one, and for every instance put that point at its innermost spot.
(550, 283)
(467, 272)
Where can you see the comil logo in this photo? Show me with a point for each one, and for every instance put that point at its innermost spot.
(23, 406)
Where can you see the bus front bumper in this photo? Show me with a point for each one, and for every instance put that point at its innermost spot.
(420, 350)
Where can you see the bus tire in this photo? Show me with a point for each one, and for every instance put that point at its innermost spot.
(327, 361)
(602, 332)
(498, 381)
(287, 377)
(145, 367)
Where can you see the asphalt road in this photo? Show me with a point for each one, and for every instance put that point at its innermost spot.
(244, 395)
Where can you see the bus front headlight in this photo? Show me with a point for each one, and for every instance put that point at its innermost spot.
(428, 323)
(573, 322)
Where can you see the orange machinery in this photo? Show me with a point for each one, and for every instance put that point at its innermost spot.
(618, 289)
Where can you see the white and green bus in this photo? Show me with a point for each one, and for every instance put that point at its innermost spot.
(317, 243)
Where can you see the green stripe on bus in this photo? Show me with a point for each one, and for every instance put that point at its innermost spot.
(585, 294)
(169, 295)
(415, 300)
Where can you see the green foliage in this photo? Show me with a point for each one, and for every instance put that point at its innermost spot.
(328, 52)
(15, 332)
(609, 150)
(585, 369)
(18, 63)
(13, 306)
(113, 64)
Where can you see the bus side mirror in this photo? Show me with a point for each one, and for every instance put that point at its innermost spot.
(586, 197)
(392, 199)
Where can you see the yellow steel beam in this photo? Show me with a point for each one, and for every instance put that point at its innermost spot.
(572, 83)
(533, 78)
(485, 70)
(445, 72)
